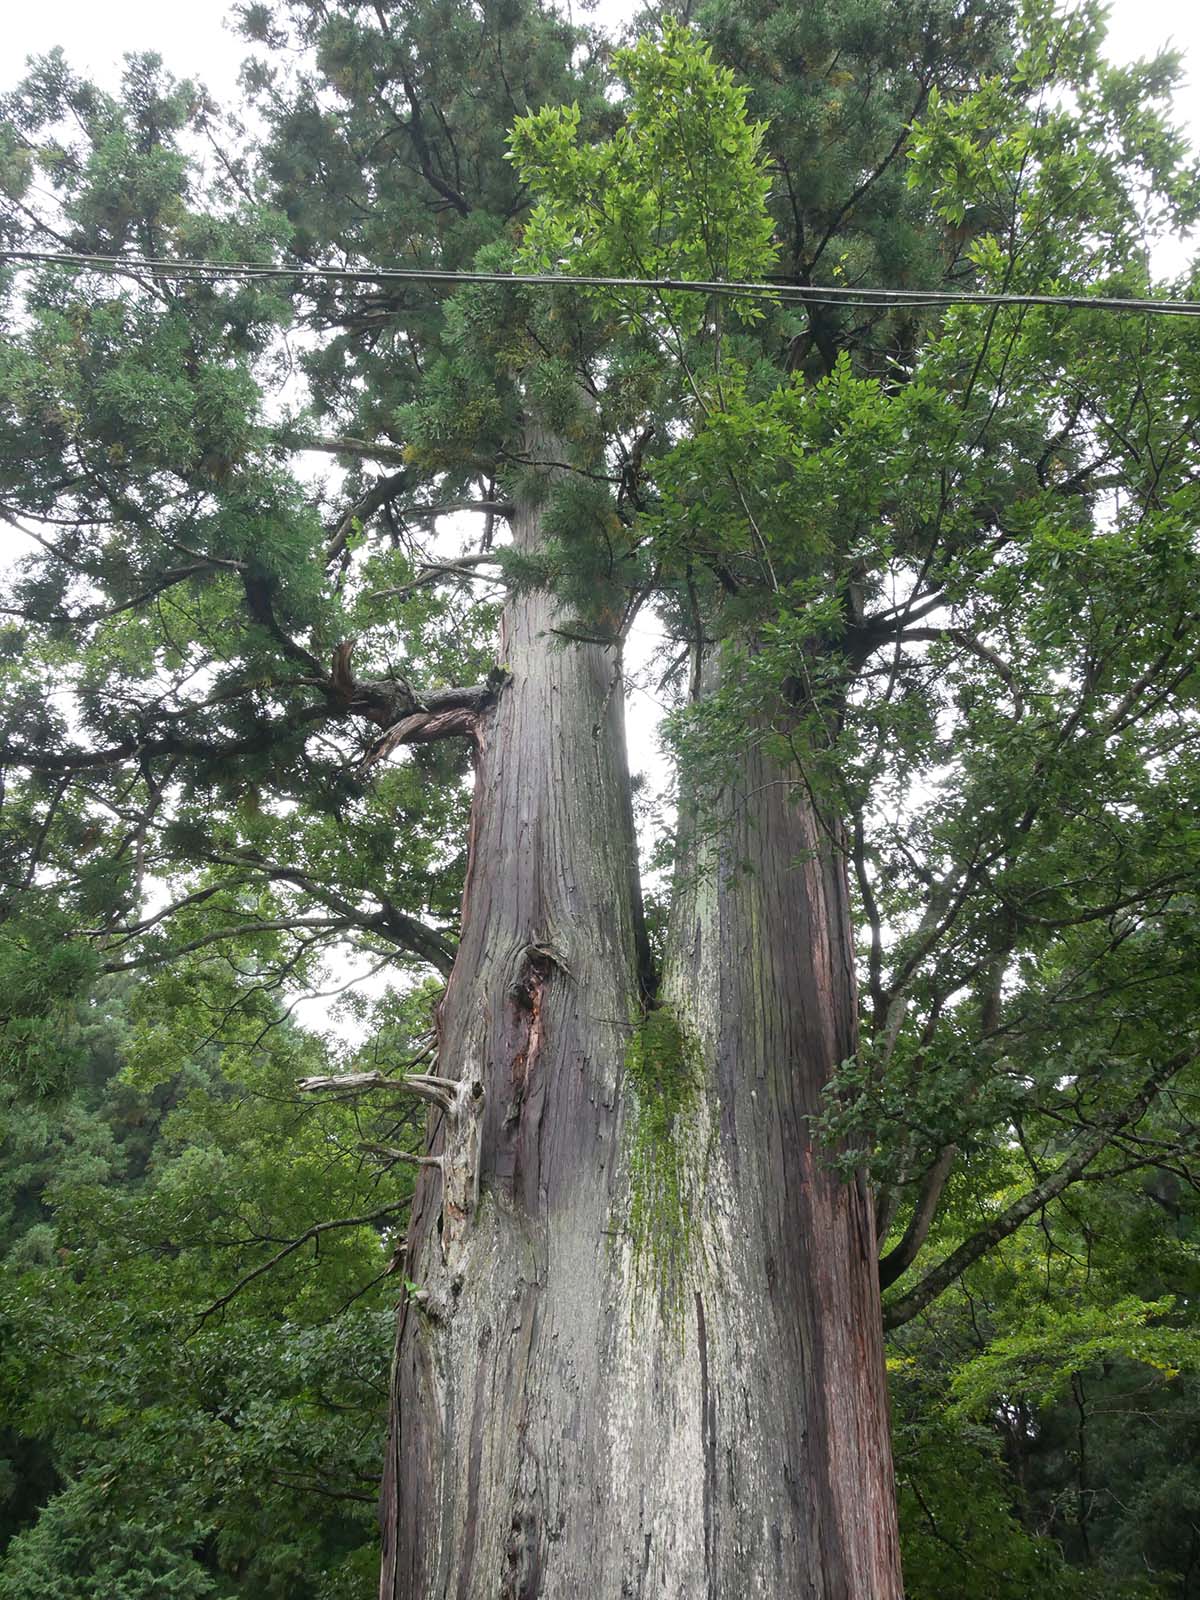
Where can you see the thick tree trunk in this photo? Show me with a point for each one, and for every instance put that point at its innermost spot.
(646, 1359)
(798, 1494)
(498, 1448)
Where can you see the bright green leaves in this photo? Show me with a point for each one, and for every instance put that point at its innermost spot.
(1057, 171)
(679, 191)
(789, 506)
(1041, 1358)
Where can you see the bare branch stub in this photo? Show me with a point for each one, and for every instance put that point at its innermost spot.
(348, 1083)
(390, 1154)
(461, 1101)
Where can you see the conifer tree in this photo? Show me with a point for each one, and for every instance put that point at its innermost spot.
(926, 580)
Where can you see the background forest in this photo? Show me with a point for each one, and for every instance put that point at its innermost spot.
(211, 485)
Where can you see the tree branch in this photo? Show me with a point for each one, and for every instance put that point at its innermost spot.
(262, 609)
(415, 128)
(237, 931)
(874, 922)
(380, 492)
(123, 935)
(361, 449)
(170, 744)
(348, 1084)
(423, 727)
(388, 922)
(435, 570)
(427, 510)
(82, 619)
(438, 1091)
(314, 1232)
(382, 701)
(390, 1154)
(968, 641)
(898, 1261)
(900, 1311)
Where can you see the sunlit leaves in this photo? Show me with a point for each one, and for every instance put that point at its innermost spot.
(678, 192)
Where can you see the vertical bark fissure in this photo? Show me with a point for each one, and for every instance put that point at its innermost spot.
(709, 1434)
(761, 968)
(578, 1407)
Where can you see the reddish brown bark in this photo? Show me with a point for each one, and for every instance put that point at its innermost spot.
(562, 1421)
(762, 968)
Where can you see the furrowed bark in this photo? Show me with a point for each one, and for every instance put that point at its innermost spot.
(645, 1359)
(500, 1454)
(788, 1379)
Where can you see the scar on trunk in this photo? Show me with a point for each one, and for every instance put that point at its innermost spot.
(460, 1162)
(526, 996)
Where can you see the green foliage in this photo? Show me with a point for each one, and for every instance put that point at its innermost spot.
(679, 191)
(182, 1451)
(1057, 1379)
(939, 565)
(82, 1548)
(960, 1531)
(1015, 162)
(1042, 1358)
(42, 971)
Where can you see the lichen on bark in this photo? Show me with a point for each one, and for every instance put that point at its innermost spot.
(666, 1153)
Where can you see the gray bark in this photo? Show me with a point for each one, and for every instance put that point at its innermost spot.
(592, 1395)
(798, 1487)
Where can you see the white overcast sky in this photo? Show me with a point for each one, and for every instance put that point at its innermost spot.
(195, 40)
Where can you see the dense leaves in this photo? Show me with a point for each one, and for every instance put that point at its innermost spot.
(947, 559)
(175, 1417)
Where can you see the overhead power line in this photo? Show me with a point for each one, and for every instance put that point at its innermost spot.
(774, 291)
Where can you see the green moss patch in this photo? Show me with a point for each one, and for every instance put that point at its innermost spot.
(667, 1155)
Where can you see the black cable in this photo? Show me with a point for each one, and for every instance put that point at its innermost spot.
(778, 292)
